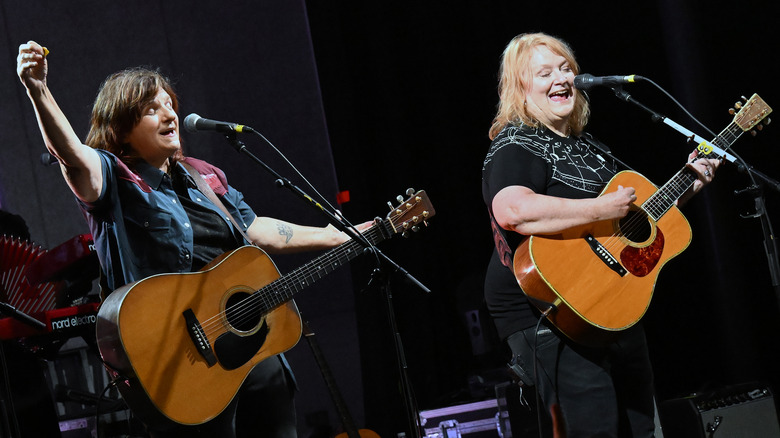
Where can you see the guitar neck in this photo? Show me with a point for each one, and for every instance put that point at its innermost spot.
(282, 290)
(666, 196)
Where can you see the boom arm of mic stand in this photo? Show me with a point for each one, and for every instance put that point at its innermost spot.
(337, 221)
(770, 247)
(281, 181)
(398, 268)
(657, 117)
(21, 316)
(741, 165)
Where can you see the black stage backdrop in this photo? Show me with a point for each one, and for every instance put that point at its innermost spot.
(402, 95)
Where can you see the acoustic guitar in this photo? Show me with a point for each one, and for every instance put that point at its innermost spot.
(596, 280)
(182, 344)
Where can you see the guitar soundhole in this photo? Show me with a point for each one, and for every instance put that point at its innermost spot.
(241, 315)
(636, 227)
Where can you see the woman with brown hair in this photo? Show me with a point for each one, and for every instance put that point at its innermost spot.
(147, 215)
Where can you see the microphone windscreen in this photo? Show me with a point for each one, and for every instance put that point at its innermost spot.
(190, 122)
(583, 81)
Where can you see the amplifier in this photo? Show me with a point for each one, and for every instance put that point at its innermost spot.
(740, 411)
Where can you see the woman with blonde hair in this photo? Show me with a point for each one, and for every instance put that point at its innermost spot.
(543, 174)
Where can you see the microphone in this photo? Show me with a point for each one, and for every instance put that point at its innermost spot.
(586, 81)
(195, 123)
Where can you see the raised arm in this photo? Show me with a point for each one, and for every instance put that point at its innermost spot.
(79, 163)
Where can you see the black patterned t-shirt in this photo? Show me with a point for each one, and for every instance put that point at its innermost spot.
(539, 159)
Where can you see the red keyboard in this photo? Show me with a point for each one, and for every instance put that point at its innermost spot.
(66, 320)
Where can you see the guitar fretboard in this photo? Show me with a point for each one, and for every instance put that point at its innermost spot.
(663, 199)
(282, 289)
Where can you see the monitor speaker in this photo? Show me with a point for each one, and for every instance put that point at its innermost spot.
(741, 411)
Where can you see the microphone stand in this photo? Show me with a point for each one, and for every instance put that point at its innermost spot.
(339, 223)
(13, 312)
(286, 183)
(770, 244)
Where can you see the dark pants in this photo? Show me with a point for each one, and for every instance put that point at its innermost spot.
(264, 407)
(602, 392)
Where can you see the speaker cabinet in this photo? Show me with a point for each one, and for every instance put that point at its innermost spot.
(741, 411)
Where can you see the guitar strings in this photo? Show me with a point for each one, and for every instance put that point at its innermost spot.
(269, 297)
(654, 206)
(295, 280)
(677, 186)
(250, 308)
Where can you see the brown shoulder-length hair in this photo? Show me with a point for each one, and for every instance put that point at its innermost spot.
(515, 78)
(119, 106)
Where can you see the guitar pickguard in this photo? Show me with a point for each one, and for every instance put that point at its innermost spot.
(234, 350)
(641, 261)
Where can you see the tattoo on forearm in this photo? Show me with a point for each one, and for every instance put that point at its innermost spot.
(285, 230)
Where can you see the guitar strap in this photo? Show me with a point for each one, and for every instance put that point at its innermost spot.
(206, 190)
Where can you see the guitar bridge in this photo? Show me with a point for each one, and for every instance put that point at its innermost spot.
(199, 338)
(605, 256)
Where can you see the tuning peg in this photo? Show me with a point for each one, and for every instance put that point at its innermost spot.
(409, 191)
(738, 105)
(744, 99)
(732, 111)
(753, 132)
(390, 205)
(400, 199)
(760, 127)
(767, 121)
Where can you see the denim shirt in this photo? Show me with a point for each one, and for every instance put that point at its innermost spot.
(138, 224)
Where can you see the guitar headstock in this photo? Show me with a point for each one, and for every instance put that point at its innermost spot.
(751, 113)
(410, 213)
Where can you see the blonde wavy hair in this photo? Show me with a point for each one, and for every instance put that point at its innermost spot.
(515, 79)
(119, 106)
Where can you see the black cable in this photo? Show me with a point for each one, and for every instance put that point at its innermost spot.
(100, 399)
(666, 93)
(536, 375)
